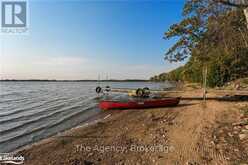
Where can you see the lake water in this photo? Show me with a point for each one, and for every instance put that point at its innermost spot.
(31, 111)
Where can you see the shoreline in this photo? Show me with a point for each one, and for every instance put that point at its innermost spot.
(49, 110)
(136, 135)
(91, 121)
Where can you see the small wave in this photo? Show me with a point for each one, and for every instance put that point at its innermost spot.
(35, 120)
(12, 100)
(79, 105)
(44, 126)
(12, 93)
(29, 108)
(71, 116)
(41, 111)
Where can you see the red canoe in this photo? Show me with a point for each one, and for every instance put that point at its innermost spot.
(136, 104)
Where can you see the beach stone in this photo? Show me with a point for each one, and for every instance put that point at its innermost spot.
(244, 131)
(235, 132)
(150, 115)
(86, 162)
(218, 146)
(215, 137)
(212, 143)
(230, 134)
(237, 127)
(238, 123)
(159, 156)
(242, 136)
(191, 163)
(246, 127)
(90, 154)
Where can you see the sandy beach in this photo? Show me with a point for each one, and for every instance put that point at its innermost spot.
(122, 82)
(194, 132)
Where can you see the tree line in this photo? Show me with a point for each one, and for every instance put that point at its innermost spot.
(214, 35)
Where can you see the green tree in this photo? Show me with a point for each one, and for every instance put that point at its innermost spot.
(212, 35)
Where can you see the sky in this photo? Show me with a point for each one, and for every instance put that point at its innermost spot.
(79, 39)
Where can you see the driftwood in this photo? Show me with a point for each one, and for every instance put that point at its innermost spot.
(220, 98)
(234, 98)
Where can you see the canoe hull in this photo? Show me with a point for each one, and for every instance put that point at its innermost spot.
(148, 103)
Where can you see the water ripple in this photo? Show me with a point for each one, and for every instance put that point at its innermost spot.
(30, 111)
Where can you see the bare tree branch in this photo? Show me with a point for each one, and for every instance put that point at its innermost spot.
(235, 3)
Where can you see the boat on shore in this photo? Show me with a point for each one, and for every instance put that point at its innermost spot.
(139, 104)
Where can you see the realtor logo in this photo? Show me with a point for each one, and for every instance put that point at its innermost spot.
(14, 16)
(11, 158)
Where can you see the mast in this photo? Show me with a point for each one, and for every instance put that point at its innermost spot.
(205, 72)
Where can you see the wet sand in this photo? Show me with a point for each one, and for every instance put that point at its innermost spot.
(194, 132)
